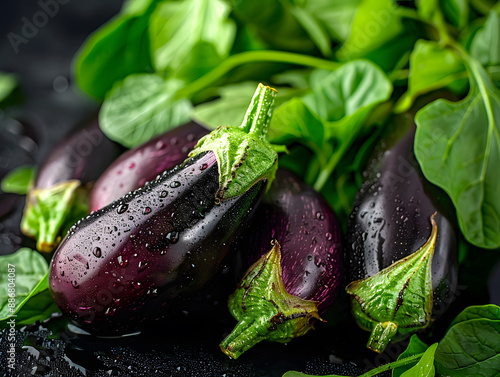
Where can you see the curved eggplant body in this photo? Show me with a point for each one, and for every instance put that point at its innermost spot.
(285, 290)
(142, 164)
(127, 263)
(391, 220)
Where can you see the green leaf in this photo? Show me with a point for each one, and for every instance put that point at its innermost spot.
(29, 284)
(431, 67)
(484, 45)
(375, 22)
(141, 107)
(426, 8)
(455, 11)
(178, 27)
(119, 48)
(471, 347)
(415, 347)
(8, 83)
(425, 366)
(18, 180)
(398, 300)
(458, 147)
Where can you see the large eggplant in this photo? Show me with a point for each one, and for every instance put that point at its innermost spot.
(286, 289)
(59, 196)
(127, 264)
(401, 252)
(142, 164)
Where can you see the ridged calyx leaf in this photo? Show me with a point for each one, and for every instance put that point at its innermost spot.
(243, 154)
(398, 300)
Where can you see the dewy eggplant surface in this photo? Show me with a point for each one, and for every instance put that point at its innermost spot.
(127, 263)
(292, 281)
(142, 164)
(58, 197)
(401, 246)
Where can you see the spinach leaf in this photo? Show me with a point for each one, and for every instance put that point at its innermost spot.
(18, 180)
(458, 147)
(141, 107)
(471, 347)
(432, 66)
(117, 49)
(425, 366)
(375, 23)
(456, 12)
(177, 28)
(485, 46)
(8, 83)
(29, 287)
(416, 346)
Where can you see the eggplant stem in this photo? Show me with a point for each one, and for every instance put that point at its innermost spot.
(259, 112)
(244, 336)
(381, 336)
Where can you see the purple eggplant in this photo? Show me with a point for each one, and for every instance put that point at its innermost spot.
(128, 263)
(142, 164)
(401, 241)
(59, 195)
(286, 289)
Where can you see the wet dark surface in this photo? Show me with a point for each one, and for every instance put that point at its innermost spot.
(47, 107)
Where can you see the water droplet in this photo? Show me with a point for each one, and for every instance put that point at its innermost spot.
(122, 208)
(97, 252)
(329, 236)
(309, 257)
(173, 236)
(320, 216)
(110, 311)
(75, 284)
(163, 194)
(160, 145)
(122, 262)
(146, 210)
(203, 167)
(175, 184)
(152, 292)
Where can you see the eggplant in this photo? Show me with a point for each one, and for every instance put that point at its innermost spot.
(142, 164)
(402, 245)
(287, 288)
(59, 196)
(128, 263)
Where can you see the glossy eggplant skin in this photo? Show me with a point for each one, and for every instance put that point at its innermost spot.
(127, 264)
(303, 223)
(391, 216)
(83, 156)
(142, 164)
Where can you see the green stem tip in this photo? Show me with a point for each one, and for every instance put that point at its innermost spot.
(260, 111)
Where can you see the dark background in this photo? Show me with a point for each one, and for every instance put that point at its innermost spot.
(44, 108)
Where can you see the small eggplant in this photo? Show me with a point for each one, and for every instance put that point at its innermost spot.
(128, 263)
(142, 164)
(402, 246)
(58, 196)
(286, 289)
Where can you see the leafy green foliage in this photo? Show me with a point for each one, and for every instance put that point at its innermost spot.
(485, 46)
(180, 29)
(18, 180)
(141, 107)
(8, 83)
(458, 147)
(471, 347)
(456, 11)
(425, 366)
(415, 347)
(431, 67)
(30, 285)
(117, 49)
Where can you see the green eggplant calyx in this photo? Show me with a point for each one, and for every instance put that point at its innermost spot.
(244, 156)
(396, 301)
(48, 210)
(265, 310)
